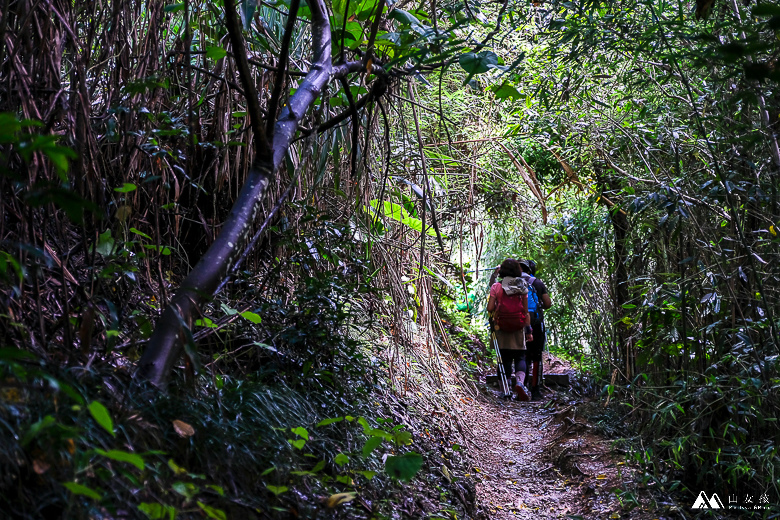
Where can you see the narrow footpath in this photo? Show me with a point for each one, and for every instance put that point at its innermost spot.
(542, 460)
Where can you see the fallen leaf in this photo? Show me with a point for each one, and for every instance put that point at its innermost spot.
(601, 477)
(12, 395)
(183, 429)
(446, 473)
(339, 498)
(40, 467)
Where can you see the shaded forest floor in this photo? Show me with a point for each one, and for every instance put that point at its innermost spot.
(546, 459)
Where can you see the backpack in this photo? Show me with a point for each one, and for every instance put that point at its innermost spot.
(534, 304)
(510, 313)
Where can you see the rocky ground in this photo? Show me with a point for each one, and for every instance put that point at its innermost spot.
(543, 460)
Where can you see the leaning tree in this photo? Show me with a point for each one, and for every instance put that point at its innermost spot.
(375, 44)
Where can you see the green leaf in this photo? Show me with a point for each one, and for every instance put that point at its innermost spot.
(217, 489)
(105, 245)
(157, 511)
(364, 423)
(300, 432)
(365, 9)
(41, 425)
(185, 489)
(506, 91)
(399, 214)
(216, 514)
(205, 322)
(101, 415)
(298, 443)
(404, 467)
(371, 444)
(126, 188)
(251, 316)
(368, 474)
(5, 261)
(163, 250)
(123, 456)
(248, 8)
(177, 470)
(276, 490)
(140, 233)
(174, 8)
(477, 63)
(79, 489)
(341, 459)
(403, 438)
(404, 17)
(329, 421)
(228, 310)
(215, 53)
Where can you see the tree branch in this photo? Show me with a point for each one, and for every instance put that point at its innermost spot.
(165, 345)
(283, 57)
(245, 75)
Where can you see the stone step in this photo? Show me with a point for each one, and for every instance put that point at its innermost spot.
(557, 379)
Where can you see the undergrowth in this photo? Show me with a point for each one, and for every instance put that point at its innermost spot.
(79, 444)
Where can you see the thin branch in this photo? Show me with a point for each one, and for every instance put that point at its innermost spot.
(245, 76)
(283, 59)
(427, 109)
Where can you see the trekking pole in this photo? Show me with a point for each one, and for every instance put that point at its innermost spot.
(501, 372)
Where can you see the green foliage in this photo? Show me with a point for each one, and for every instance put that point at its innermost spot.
(101, 415)
(404, 467)
(236, 430)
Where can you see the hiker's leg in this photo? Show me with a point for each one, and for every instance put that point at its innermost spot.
(535, 349)
(532, 361)
(520, 371)
(506, 362)
(537, 346)
(520, 365)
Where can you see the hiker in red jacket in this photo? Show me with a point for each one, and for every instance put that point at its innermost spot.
(511, 332)
(535, 346)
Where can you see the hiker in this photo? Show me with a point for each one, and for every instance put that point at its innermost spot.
(538, 300)
(511, 322)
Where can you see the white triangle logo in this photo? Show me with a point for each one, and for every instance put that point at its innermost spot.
(702, 502)
(715, 502)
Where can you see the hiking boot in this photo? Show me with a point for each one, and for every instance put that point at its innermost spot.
(522, 392)
(536, 394)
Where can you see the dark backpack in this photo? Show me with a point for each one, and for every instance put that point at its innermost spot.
(510, 312)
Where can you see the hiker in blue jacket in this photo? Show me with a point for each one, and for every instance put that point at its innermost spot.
(535, 346)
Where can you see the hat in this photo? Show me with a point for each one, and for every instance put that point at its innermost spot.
(525, 263)
(512, 285)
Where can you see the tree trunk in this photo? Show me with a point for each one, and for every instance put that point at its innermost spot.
(165, 345)
(622, 329)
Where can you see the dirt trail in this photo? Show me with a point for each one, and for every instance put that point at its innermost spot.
(540, 460)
